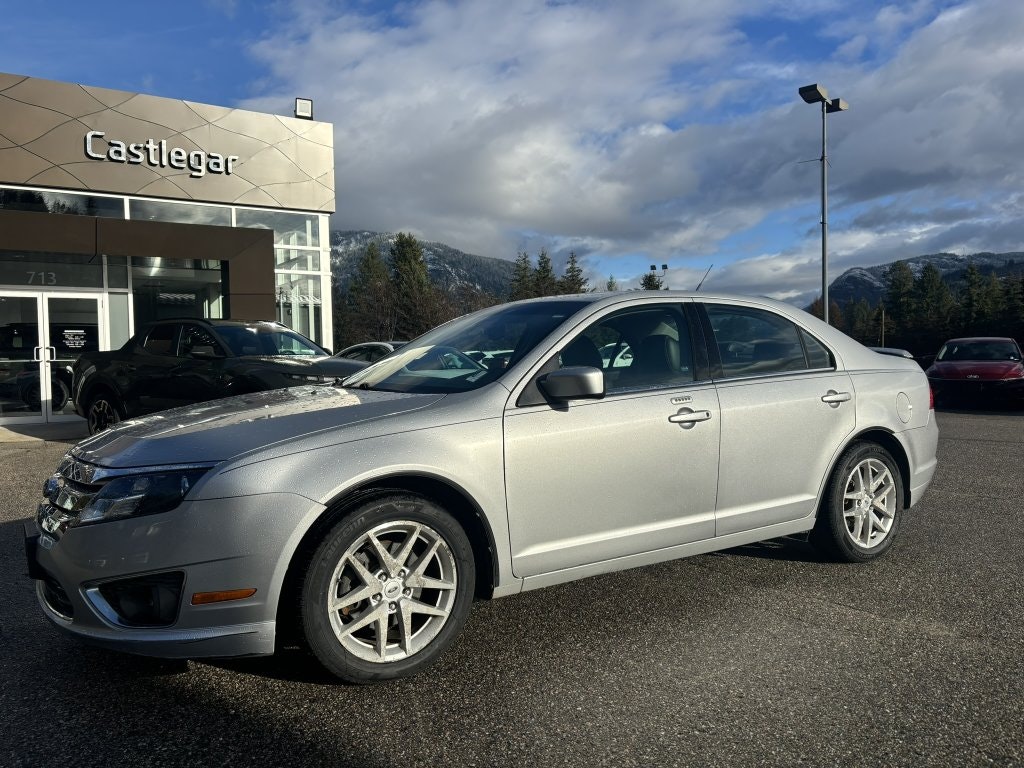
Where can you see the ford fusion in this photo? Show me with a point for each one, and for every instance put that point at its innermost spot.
(364, 518)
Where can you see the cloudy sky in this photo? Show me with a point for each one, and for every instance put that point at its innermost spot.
(634, 132)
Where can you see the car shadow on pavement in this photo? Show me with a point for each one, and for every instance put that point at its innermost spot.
(791, 549)
(294, 665)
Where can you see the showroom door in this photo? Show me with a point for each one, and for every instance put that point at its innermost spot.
(73, 326)
(41, 336)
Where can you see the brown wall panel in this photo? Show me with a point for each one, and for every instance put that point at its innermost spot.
(249, 252)
(47, 232)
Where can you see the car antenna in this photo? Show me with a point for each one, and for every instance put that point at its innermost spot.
(697, 289)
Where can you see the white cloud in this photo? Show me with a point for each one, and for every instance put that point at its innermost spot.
(657, 127)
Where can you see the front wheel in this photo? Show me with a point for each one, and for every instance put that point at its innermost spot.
(104, 411)
(861, 511)
(387, 590)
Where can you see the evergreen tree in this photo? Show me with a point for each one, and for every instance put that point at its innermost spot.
(1013, 307)
(612, 284)
(573, 280)
(935, 309)
(521, 286)
(863, 324)
(369, 313)
(835, 316)
(417, 303)
(544, 281)
(899, 304)
(651, 282)
(990, 312)
(815, 308)
(970, 305)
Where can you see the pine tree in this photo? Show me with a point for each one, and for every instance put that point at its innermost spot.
(992, 305)
(370, 307)
(899, 304)
(971, 302)
(612, 284)
(521, 286)
(935, 309)
(573, 280)
(1013, 307)
(651, 282)
(417, 303)
(544, 281)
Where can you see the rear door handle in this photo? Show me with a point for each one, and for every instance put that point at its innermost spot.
(687, 418)
(835, 398)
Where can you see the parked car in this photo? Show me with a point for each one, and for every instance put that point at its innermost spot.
(370, 351)
(978, 370)
(178, 362)
(366, 517)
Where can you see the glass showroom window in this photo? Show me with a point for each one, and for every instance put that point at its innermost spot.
(290, 229)
(165, 288)
(299, 304)
(179, 213)
(61, 202)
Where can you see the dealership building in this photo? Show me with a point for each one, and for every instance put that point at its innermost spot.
(120, 208)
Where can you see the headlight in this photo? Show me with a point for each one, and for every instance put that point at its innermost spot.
(136, 495)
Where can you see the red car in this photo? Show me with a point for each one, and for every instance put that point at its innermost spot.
(983, 370)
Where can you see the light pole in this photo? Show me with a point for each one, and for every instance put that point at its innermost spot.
(818, 94)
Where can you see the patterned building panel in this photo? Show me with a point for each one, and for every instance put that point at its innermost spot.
(78, 137)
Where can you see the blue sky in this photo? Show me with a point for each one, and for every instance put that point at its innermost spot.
(635, 133)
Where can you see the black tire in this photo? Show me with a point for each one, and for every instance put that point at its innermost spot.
(421, 598)
(104, 411)
(858, 521)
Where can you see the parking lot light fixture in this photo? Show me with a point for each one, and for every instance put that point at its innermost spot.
(818, 94)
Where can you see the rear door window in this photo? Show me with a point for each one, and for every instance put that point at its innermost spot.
(755, 342)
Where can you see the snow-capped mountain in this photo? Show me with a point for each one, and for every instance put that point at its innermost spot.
(869, 282)
(448, 267)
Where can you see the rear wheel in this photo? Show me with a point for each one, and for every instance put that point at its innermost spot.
(104, 411)
(861, 511)
(387, 590)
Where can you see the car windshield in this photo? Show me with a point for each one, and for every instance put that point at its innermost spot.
(245, 340)
(468, 352)
(999, 349)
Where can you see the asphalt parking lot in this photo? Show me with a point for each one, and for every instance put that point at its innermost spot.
(761, 655)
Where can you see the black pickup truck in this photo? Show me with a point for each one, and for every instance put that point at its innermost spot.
(183, 361)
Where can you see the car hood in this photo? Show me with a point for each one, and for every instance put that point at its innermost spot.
(313, 366)
(221, 429)
(974, 369)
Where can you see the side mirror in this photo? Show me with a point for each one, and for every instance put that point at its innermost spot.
(573, 383)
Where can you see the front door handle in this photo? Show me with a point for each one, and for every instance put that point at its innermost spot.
(835, 398)
(688, 418)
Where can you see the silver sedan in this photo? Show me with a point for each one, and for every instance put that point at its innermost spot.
(364, 518)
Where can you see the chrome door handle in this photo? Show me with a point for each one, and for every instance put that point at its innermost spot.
(688, 419)
(37, 354)
(835, 398)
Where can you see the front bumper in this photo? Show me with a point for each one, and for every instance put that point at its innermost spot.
(979, 391)
(213, 545)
